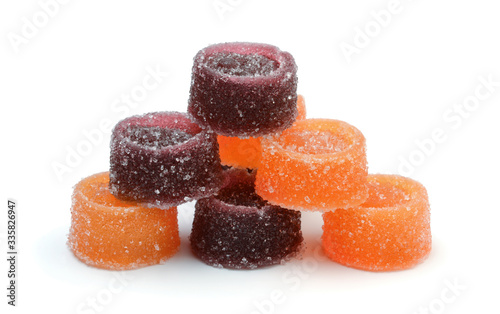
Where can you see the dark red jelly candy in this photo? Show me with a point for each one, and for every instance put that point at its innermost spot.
(163, 159)
(238, 229)
(243, 89)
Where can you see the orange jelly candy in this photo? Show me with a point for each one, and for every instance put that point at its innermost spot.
(317, 164)
(113, 234)
(246, 152)
(390, 231)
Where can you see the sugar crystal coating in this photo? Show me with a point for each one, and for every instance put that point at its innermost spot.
(243, 89)
(237, 64)
(390, 231)
(113, 234)
(246, 152)
(317, 165)
(157, 137)
(163, 159)
(238, 229)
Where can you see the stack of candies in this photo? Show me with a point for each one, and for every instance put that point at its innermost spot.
(247, 155)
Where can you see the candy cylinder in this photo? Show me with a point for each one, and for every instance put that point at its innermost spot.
(317, 164)
(238, 229)
(243, 89)
(390, 231)
(113, 234)
(163, 159)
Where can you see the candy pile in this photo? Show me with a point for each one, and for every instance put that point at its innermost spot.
(247, 155)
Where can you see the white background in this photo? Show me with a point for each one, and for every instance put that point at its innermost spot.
(400, 86)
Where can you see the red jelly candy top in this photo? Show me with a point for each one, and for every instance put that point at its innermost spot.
(243, 89)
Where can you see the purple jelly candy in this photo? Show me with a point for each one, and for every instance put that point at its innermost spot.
(163, 159)
(243, 89)
(238, 229)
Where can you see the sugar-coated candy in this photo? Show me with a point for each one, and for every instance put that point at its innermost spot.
(317, 164)
(240, 152)
(390, 231)
(301, 108)
(238, 229)
(243, 89)
(163, 159)
(113, 234)
(246, 152)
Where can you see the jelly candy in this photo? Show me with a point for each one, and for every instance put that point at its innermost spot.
(163, 159)
(390, 231)
(113, 234)
(238, 229)
(317, 164)
(243, 89)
